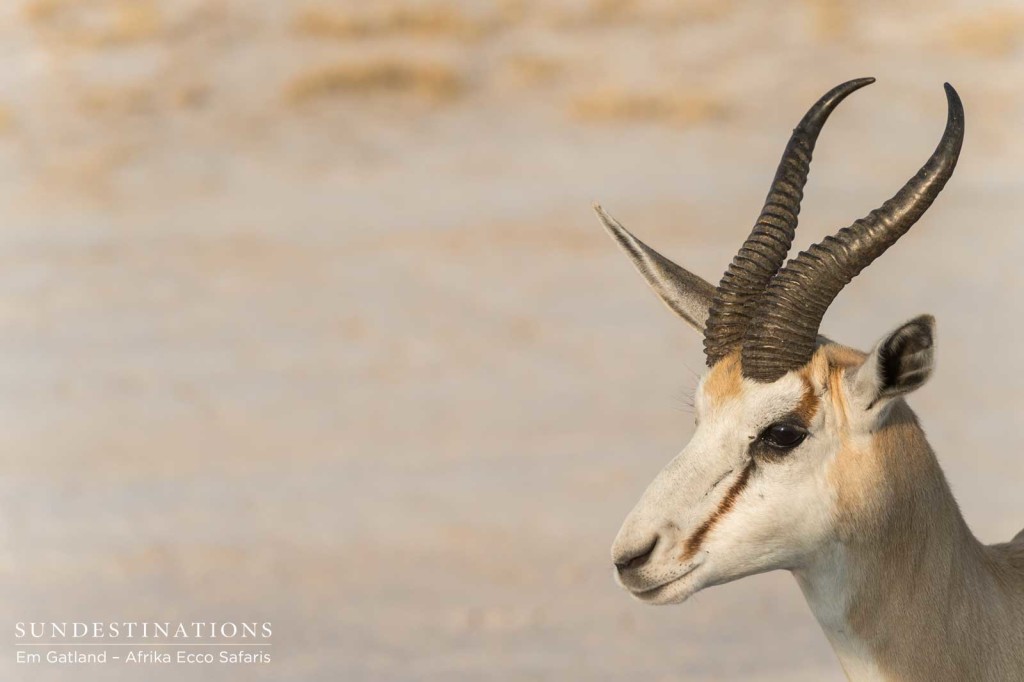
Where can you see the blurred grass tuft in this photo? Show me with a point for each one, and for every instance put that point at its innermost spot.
(95, 23)
(613, 105)
(438, 21)
(431, 81)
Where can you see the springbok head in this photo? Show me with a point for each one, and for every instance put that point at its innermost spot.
(771, 476)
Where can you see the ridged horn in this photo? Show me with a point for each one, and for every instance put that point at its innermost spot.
(764, 252)
(781, 337)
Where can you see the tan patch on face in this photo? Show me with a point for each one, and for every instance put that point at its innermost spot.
(840, 361)
(862, 474)
(815, 372)
(840, 405)
(843, 356)
(724, 381)
(852, 475)
(824, 374)
(826, 360)
(808, 406)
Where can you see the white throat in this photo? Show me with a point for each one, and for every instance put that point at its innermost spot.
(827, 585)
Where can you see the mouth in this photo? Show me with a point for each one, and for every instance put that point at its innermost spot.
(674, 591)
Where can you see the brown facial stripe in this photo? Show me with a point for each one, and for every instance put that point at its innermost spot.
(808, 406)
(693, 544)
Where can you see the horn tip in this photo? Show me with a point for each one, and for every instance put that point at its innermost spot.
(857, 84)
(956, 107)
(951, 92)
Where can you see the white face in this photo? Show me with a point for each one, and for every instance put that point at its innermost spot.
(732, 503)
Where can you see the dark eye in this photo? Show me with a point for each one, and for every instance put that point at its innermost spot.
(783, 436)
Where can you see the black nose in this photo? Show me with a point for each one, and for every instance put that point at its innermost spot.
(637, 560)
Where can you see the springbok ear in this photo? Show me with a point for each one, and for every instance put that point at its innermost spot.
(685, 294)
(899, 363)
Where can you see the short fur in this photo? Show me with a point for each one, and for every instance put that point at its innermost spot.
(926, 599)
(899, 584)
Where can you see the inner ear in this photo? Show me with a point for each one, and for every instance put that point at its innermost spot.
(904, 359)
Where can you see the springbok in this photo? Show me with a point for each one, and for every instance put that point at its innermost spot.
(805, 456)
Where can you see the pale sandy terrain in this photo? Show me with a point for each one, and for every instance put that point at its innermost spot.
(304, 315)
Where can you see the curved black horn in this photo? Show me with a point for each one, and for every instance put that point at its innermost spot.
(781, 337)
(764, 252)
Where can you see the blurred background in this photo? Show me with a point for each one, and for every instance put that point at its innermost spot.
(305, 317)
